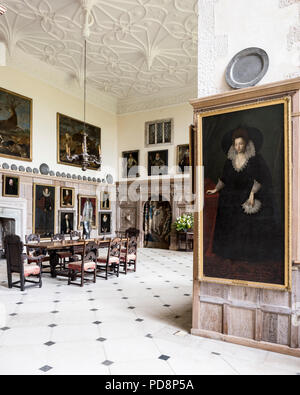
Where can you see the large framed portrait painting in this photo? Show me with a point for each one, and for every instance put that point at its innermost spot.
(70, 139)
(244, 226)
(44, 210)
(15, 126)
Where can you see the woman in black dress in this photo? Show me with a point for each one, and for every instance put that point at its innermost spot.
(245, 227)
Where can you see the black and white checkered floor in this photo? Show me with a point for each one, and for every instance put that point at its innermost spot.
(136, 324)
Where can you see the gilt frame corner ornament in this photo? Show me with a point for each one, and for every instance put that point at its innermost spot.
(247, 110)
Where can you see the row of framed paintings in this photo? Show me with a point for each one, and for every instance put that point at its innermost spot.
(44, 210)
(16, 131)
(11, 188)
(67, 222)
(158, 162)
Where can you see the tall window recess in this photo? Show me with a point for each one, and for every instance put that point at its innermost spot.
(159, 132)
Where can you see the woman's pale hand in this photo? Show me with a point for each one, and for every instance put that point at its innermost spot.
(251, 199)
(211, 191)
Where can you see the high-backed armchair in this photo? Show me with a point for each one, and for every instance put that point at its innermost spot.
(84, 264)
(129, 254)
(17, 263)
(110, 264)
(34, 252)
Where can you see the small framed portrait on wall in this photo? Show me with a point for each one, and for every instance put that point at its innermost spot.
(105, 223)
(87, 211)
(130, 164)
(11, 186)
(158, 163)
(183, 158)
(67, 197)
(66, 220)
(105, 203)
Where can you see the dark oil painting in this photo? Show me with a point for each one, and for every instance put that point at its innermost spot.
(183, 158)
(70, 139)
(10, 186)
(130, 164)
(15, 125)
(105, 223)
(245, 158)
(66, 221)
(44, 210)
(158, 163)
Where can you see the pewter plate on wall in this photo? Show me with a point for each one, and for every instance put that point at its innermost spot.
(247, 68)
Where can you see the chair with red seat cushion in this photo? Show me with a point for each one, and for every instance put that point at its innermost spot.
(32, 253)
(110, 264)
(16, 263)
(130, 256)
(86, 264)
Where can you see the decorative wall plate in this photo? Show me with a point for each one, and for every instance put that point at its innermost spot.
(44, 169)
(247, 68)
(109, 179)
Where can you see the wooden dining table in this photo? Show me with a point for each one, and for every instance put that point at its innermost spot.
(52, 247)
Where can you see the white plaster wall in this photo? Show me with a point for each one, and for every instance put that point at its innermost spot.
(229, 26)
(131, 133)
(47, 101)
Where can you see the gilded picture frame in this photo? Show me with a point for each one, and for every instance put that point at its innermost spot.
(11, 186)
(70, 139)
(15, 126)
(105, 201)
(82, 199)
(268, 267)
(67, 197)
(44, 210)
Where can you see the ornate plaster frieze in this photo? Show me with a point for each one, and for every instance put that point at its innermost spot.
(287, 3)
(136, 48)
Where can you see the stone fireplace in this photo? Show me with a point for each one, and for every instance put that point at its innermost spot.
(13, 215)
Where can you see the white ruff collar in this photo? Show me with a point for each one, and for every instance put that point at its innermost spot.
(249, 153)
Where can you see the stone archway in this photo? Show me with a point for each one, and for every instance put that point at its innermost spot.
(157, 223)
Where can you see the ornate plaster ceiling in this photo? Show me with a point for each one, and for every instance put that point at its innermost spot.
(137, 48)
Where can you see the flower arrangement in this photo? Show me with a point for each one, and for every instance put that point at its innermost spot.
(184, 223)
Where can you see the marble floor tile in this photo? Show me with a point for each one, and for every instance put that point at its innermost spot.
(134, 324)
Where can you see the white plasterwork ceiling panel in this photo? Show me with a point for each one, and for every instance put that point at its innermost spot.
(137, 48)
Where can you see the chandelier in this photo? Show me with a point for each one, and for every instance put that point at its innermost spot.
(84, 157)
(2, 9)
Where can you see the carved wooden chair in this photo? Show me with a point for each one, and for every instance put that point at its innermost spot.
(75, 235)
(110, 264)
(34, 252)
(58, 237)
(132, 232)
(16, 263)
(62, 255)
(85, 265)
(129, 255)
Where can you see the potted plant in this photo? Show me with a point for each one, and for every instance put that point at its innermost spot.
(184, 223)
